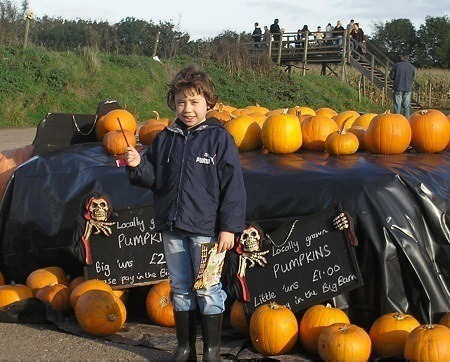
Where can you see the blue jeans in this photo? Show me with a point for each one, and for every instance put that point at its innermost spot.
(183, 254)
(402, 101)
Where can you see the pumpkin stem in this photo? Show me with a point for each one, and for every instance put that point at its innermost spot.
(157, 114)
(344, 328)
(112, 317)
(163, 301)
(285, 111)
(274, 305)
(399, 316)
(429, 326)
(343, 128)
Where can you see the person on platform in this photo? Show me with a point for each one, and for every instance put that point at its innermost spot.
(256, 36)
(276, 32)
(357, 34)
(402, 74)
(339, 32)
(194, 170)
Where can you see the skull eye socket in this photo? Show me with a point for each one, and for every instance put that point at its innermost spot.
(102, 204)
(244, 236)
(253, 233)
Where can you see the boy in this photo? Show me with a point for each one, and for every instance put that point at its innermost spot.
(194, 170)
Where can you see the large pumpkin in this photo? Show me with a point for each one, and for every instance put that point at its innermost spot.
(273, 329)
(281, 133)
(42, 277)
(389, 333)
(58, 295)
(342, 342)
(315, 319)
(115, 143)
(430, 131)
(100, 313)
(159, 305)
(110, 122)
(90, 284)
(238, 318)
(428, 343)
(315, 131)
(246, 132)
(11, 293)
(388, 134)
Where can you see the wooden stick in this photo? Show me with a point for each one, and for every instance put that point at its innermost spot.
(123, 133)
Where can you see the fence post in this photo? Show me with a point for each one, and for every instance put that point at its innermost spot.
(305, 52)
(280, 46)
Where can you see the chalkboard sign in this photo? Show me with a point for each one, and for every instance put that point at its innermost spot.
(132, 255)
(309, 262)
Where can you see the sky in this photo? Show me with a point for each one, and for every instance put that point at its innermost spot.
(208, 18)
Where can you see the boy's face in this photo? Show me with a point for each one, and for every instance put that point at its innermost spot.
(191, 107)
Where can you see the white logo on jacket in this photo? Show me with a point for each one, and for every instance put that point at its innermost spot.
(206, 159)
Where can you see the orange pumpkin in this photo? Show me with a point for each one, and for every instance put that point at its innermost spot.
(115, 144)
(109, 122)
(388, 134)
(75, 282)
(238, 318)
(2, 279)
(149, 130)
(389, 332)
(315, 319)
(240, 112)
(100, 313)
(90, 284)
(298, 110)
(359, 132)
(427, 343)
(430, 130)
(341, 142)
(315, 131)
(122, 294)
(364, 120)
(246, 132)
(258, 109)
(327, 112)
(273, 329)
(42, 277)
(281, 133)
(11, 293)
(342, 342)
(159, 305)
(351, 116)
(58, 295)
(220, 113)
(258, 117)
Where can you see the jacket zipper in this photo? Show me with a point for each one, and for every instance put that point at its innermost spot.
(183, 161)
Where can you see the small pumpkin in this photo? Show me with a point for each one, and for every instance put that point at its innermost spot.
(430, 130)
(315, 319)
(246, 132)
(343, 342)
(109, 122)
(273, 329)
(389, 332)
(238, 318)
(258, 109)
(315, 131)
(220, 113)
(149, 130)
(11, 293)
(281, 133)
(115, 144)
(58, 295)
(428, 343)
(90, 284)
(341, 142)
(100, 313)
(159, 305)
(42, 277)
(327, 112)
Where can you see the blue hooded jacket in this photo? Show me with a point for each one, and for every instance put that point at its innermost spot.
(196, 177)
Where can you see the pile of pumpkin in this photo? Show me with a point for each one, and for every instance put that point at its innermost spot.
(99, 309)
(289, 130)
(326, 331)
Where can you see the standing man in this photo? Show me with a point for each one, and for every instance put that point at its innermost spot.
(256, 36)
(402, 74)
(276, 32)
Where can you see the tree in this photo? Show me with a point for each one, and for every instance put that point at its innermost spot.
(434, 43)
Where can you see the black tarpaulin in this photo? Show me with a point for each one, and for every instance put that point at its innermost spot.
(400, 205)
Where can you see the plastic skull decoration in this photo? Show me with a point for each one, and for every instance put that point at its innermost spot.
(99, 208)
(250, 239)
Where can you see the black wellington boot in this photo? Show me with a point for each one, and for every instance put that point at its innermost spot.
(212, 328)
(186, 333)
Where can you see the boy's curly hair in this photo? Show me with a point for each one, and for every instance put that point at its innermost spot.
(192, 78)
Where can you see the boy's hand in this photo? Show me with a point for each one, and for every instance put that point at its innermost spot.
(226, 241)
(132, 157)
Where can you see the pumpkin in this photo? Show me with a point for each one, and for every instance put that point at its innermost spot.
(122, 294)
(359, 132)
(159, 305)
(238, 318)
(427, 343)
(430, 131)
(240, 112)
(315, 131)
(315, 319)
(364, 120)
(389, 332)
(341, 142)
(277, 111)
(388, 134)
(109, 122)
(246, 132)
(349, 115)
(445, 320)
(76, 282)
(327, 112)
(220, 113)
(258, 109)
(2, 279)
(11, 293)
(258, 117)
(342, 342)
(281, 133)
(297, 110)
(58, 295)
(40, 278)
(273, 329)
(100, 313)
(115, 144)
(90, 284)
(149, 130)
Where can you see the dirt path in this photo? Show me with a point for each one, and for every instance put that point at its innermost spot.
(16, 137)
